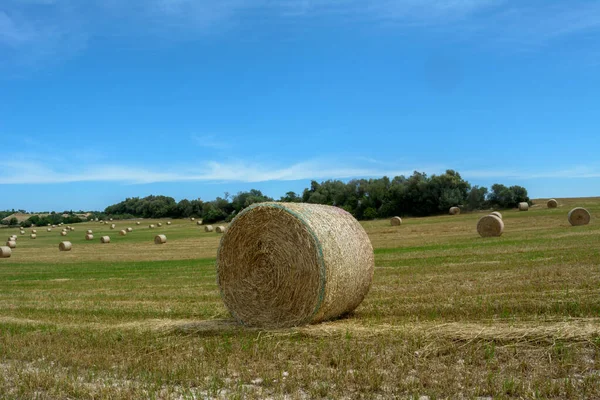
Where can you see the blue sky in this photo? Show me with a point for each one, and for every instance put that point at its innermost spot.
(105, 99)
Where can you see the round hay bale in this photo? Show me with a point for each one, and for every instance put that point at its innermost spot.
(89, 232)
(160, 239)
(63, 233)
(65, 246)
(138, 223)
(12, 238)
(192, 219)
(5, 252)
(454, 210)
(72, 229)
(123, 233)
(497, 214)
(48, 225)
(49, 230)
(113, 226)
(523, 206)
(151, 226)
(33, 231)
(168, 222)
(53, 226)
(579, 216)
(490, 226)
(159, 224)
(110, 219)
(22, 232)
(198, 223)
(129, 230)
(105, 239)
(208, 228)
(220, 229)
(89, 236)
(33, 236)
(11, 244)
(552, 203)
(396, 221)
(288, 264)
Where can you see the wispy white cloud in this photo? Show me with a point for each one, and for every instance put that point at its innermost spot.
(211, 142)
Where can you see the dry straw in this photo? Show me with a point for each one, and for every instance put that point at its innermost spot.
(72, 229)
(33, 236)
(168, 222)
(192, 219)
(11, 244)
(49, 230)
(89, 232)
(105, 239)
(65, 246)
(129, 229)
(579, 216)
(33, 231)
(22, 232)
(396, 221)
(198, 223)
(208, 228)
(5, 252)
(497, 214)
(220, 229)
(523, 206)
(160, 239)
(63, 233)
(454, 210)
(138, 223)
(151, 226)
(123, 233)
(89, 236)
(489, 226)
(159, 224)
(552, 203)
(289, 264)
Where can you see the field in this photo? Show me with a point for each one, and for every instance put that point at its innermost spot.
(449, 315)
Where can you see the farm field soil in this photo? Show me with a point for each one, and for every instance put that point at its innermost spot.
(449, 315)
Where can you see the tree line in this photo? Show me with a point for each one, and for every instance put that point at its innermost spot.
(416, 195)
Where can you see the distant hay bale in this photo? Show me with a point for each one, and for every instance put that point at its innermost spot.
(523, 206)
(159, 224)
(208, 228)
(89, 232)
(89, 236)
(552, 203)
(12, 238)
(33, 236)
(129, 230)
(33, 231)
(110, 219)
(138, 223)
(490, 226)
(151, 226)
(454, 210)
(168, 222)
(49, 230)
(396, 221)
(113, 226)
(497, 214)
(63, 233)
(22, 232)
(72, 229)
(65, 246)
(198, 223)
(12, 244)
(105, 239)
(579, 216)
(5, 252)
(192, 219)
(160, 239)
(123, 233)
(220, 229)
(53, 226)
(329, 250)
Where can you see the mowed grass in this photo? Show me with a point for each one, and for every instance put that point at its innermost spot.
(449, 315)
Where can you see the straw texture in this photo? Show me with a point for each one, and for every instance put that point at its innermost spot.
(160, 239)
(289, 264)
(396, 221)
(12, 244)
(220, 229)
(89, 232)
(89, 236)
(523, 206)
(123, 233)
(454, 210)
(552, 203)
(105, 239)
(579, 216)
(208, 228)
(490, 226)
(497, 214)
(113, 226)
(65, 246)
(5, 252)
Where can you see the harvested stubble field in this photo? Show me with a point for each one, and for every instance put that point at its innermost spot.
(449, 315)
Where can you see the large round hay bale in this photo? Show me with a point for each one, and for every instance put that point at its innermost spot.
(113, 226)
(89, 232)
(138, 223)
(49, 230)
(105, 239)
(454, 210)
(192, 219)
(33, 236)
(220, 229)
(65, 246)
(129, 230)
(208, 228)
(5, 252)
(288, 264)
(524, 206)
(396, 221)
(63, 233)
(72, 229)
(490, 226)
(160, 239)
(123, 232)
(33, 231)
(11, 244)
(12, 238)
(22, 232)
(159, 224)
(198, 223)
(497, 214)
(89, 236)
(151, 226)
(579, 216)
(552, 203)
